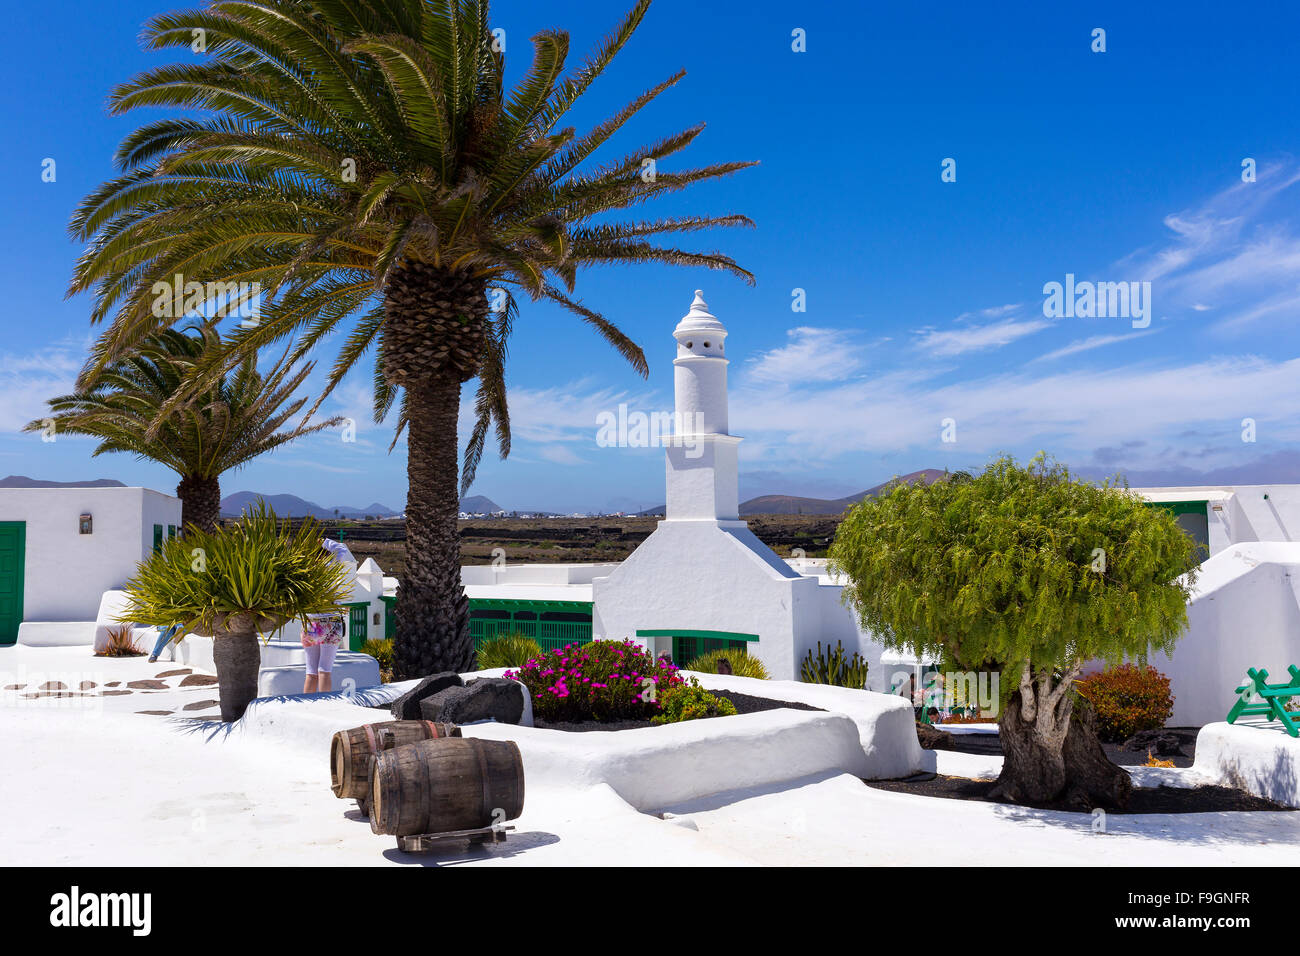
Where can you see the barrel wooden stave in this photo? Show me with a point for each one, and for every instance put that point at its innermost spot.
(436, 786)
(352, 751)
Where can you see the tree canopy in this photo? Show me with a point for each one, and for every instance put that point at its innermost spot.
(1020, 564)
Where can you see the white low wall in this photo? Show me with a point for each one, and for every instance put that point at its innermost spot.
(351, 672)
(655, 767)
(652, 767)
(56, 633)
(1259, 758)
(886, 723)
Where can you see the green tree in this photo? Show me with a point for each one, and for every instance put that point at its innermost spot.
(230, 584)
(1030, 573)
(130, 408)
(366, 163)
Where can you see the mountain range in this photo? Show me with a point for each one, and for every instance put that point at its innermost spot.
(795, 505)
(293, 506)
(22, 481)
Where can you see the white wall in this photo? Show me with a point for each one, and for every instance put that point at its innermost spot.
(1245, 612)
(1245, 512)
(66, 573)
(705, 575)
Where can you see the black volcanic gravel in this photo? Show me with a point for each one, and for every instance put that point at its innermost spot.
(1143, 800)
(990, 745)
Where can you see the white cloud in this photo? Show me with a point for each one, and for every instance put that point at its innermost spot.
(1228, 252)
(949, 342)
(28, 381)
(813, 355)
(1094, 342)
(1068, 412)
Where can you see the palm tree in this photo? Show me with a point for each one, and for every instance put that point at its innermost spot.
(365, 163)
(217, 429)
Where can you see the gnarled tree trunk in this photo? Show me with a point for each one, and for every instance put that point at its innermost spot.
(200, 501)
(433, 340)
(1051, 754)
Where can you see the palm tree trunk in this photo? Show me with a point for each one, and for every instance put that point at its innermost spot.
(238, 656)
(200, 501)
(434, 336)
(432, 610)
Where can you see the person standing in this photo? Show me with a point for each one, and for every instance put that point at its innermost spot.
(322, 634)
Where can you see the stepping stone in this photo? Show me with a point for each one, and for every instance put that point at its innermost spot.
(180, 673)
(155, 713)
(14, 686)
(54, 685)
(202, 705)
(113, 683)
(146, 685)
(113, 693)
(87, 685)
(198, 680)
(52, 693)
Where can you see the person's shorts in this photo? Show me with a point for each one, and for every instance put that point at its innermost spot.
(320, 658)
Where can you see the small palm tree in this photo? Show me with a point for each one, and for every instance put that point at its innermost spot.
(217, 429)
(233, 583)
(366, 163)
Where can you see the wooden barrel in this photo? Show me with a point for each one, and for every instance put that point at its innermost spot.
(436, 786)
(352, 752)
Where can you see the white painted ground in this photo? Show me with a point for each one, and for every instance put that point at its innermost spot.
(103, 785)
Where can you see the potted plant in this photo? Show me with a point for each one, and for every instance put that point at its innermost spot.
(234, 583)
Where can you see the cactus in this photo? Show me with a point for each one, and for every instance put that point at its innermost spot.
(834, 667)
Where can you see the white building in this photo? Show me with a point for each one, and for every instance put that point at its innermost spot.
(1245, 607)
(62, 548)
(703, 580)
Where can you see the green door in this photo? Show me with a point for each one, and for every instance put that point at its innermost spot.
(13, 542)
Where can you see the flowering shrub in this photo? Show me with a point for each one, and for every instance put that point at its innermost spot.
(603, 680)
(1127, 699)
(690, 701)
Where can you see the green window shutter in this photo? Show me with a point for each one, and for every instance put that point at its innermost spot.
(358, 625)
(157, 538)
(171, 531)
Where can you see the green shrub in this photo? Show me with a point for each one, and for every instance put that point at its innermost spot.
(742, 665)
(1127, 699)
(381, 649)
(834, 667)
(690, 701)
(509, 650)
(258, 566)
(603, 680)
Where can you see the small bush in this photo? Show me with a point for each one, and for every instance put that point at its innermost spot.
(381, 649)
(834, 667)
(510, 650)
(1127, 699)
(690, 701)
(742, 665)
(121, 643)
(603, 680)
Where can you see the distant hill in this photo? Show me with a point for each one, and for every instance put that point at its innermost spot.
(22, 481)
(479, 505)
(793, 505)
(292, 506)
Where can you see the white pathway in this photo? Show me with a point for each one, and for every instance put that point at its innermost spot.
(89, 781)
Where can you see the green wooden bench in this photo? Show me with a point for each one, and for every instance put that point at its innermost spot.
(1260, 698)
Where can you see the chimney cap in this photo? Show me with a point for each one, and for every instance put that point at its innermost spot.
(699, 319)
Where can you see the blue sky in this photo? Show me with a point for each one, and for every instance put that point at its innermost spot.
(924, 298)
